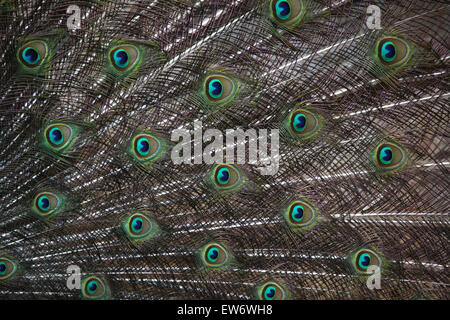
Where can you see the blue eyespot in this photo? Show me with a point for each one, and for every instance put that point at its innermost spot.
(92, 286)
(365, 258)
(143, 146)
(33, 53)
(124, 58)
(215, 88)
(390, 156)
(136, 224)
(269, 292)
(95, 288)
(140, 227)
(31, 56)
(364, 261)
(121, 58)
(388, 52)
(47, 204)
(300, 122)
(223, 176)
(44, 203)
(59, 137)
(7, 268)
(227, 178)
(146, 148)
(213, 254)
(283, 9)
(56, 136)
(287, 13)
(219, 89)
(298, 213)
(303, 123)
(272, 290)
(393, 52)
(386, 155)
(301, 214)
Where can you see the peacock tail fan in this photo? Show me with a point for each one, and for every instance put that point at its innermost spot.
(245, 149)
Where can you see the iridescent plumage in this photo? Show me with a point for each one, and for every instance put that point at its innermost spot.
(87, 176)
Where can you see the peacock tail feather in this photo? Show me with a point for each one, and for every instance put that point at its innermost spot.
(359, 188)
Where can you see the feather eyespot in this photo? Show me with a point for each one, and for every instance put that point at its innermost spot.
(287, 13)
(223, 176)
(227, 177)
(7, 268)
(300, 214)
(272, 291)
(59, 136)
(385, 155)
(299, 122)
(393, 51)
(365, 258)
(136, 225)
(124, 57)
(46, 204)
(33, 53)
(390, 156)
(215, 255)
(220, 89)
(139, 227)
(303, 124)
(388, 51)
(94, 288)
(146, 147)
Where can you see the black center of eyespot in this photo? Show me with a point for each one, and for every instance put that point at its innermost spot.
(390, 51)
(300, 121)
(365, 261)
(92, 286)
(137, 224)
(31, 54)
(144, 145)
(122, 57)
(285, 8)
(224, 175)
(298, 213)
(387, 155)
(214, 253)
(45, 203)
(216, 88)
(56, 135)
(2, 267)
(271, 292)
